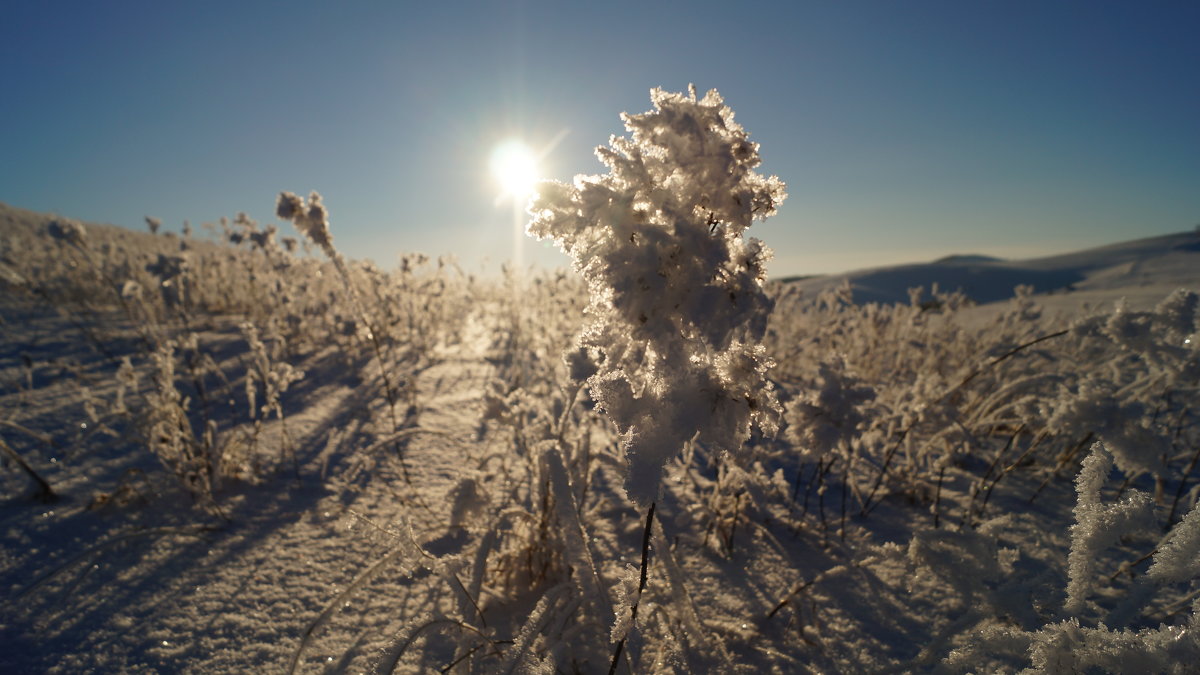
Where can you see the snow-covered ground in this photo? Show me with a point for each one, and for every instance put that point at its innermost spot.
(461, 510)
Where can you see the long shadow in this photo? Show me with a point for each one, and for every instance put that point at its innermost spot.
(53, 620)
(83, 571)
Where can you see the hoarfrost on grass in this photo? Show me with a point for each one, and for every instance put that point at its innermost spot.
(677, 299)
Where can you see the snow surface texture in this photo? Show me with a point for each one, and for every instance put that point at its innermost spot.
(254, 460)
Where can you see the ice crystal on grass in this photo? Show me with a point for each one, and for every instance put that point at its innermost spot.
(1179, 312)
(677, 301)
(1178, 558)
(1067, 647)
(1098, 525)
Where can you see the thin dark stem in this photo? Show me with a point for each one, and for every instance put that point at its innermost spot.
(968, 517)
(937, 499)
(887, 461)
(796, 486)
(845, 482)
(812, 481)
(1063, 462)
(1182, 485)
(1006, 355)
(737, 509)
(821, 498)
(633, 610)
(788, 598)
(1132, 565)
(45, 493)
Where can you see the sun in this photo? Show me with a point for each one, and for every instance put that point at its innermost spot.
(514, 167)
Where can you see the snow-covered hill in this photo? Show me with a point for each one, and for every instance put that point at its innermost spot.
(1143, 270)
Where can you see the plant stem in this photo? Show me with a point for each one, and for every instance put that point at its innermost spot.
(633, 610)
(45, 493)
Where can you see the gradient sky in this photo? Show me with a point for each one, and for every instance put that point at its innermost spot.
(904, 130)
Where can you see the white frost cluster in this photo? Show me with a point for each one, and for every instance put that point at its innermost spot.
(1123, 425)
(1166, 337)
(311, 218)
(1098, 525)
(1178, 558)
(67, 230)
(1179, 313)
(1067, 647)
(172, 272)
(829, 413)
(677, 303)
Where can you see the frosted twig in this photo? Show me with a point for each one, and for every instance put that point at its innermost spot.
(633, 609)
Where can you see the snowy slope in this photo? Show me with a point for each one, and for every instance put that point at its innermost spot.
(1139, 269)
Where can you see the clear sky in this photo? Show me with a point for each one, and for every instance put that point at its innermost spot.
(904, 130)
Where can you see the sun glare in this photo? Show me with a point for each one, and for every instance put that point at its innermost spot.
(514, 166)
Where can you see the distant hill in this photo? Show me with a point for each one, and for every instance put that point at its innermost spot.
(1143, 266)
(966, 259)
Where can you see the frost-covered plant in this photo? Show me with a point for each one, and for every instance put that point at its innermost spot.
(169, 431)
(677, 301)
(1123, 425)
(171, 271)
(828, 414)
(824, 423)
(1028, 391)
(1098, 525)
(1066, 647)
(1071, 645)
(677, 305)
(67, 230)
(275, 375)
(312, 218)
(1134, 386)
(1178, 558)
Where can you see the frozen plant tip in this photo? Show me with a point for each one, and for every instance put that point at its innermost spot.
(68, 231)
(1098, 525)
(311, 218)
(677, 300)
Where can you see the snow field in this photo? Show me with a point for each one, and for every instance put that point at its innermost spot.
(240, 453)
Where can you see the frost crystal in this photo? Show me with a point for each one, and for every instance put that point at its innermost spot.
(677, 302)
(1098, 525)
(1178, 559)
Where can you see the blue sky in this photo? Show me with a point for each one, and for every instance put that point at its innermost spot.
(904, 130)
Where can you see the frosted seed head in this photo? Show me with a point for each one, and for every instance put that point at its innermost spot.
(312, 219)
(288, 206)
(67, 230)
